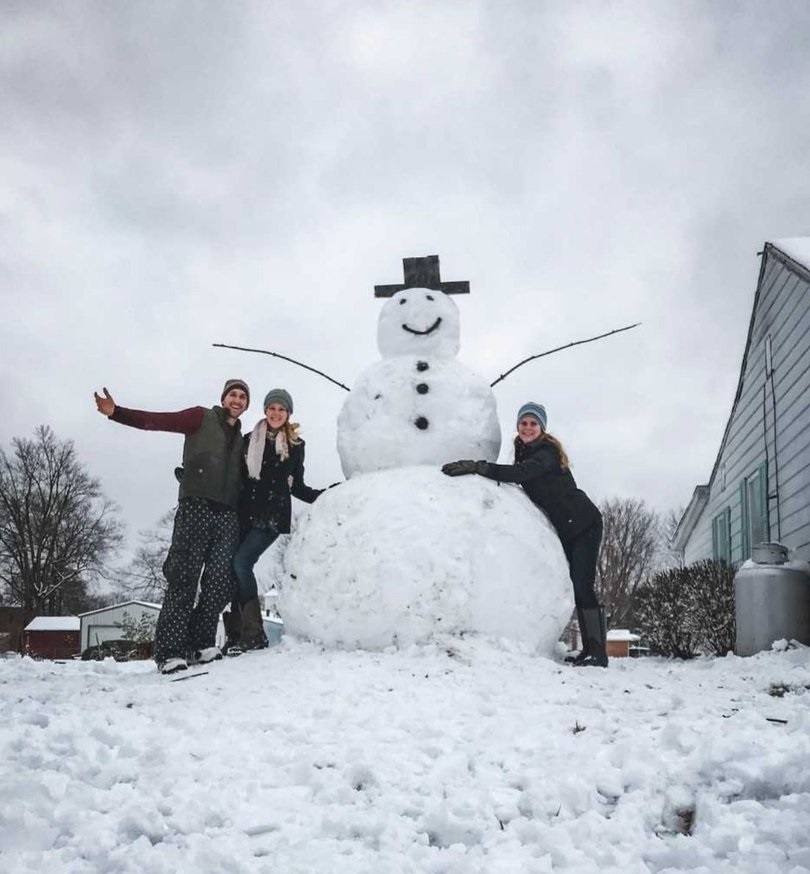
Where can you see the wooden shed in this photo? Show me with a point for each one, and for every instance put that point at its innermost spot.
(620, 641)
(52, 637)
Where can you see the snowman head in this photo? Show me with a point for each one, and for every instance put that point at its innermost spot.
(418, 321)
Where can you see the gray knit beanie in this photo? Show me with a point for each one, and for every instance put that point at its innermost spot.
(279, 396)
(536, 411)
(235, 383)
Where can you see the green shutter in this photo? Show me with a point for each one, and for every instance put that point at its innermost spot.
(727, 517)
(763, 495)
(715, 538)
(745, 549)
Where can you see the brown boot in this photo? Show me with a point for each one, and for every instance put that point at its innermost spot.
(253, 636)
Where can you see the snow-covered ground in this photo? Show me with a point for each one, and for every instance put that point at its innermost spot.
(469, 758)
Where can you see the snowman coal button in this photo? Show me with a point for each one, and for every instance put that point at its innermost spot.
(422, 366)
(423, 388)
(422, 423)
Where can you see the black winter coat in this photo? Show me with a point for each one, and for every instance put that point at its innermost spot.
(550, 487)
(266, 502)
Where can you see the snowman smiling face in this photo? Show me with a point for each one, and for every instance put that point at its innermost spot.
(418, 321)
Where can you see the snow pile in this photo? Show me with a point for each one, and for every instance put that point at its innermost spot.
(470, 759)
(399, 556)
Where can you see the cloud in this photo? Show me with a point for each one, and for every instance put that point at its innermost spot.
(187, 173)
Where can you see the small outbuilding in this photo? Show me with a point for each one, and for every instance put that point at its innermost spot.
(620, 641)
(134, 618)
(52, 637)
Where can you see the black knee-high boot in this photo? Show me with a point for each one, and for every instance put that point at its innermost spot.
(583, 636)
(232, 620)
(596, 637)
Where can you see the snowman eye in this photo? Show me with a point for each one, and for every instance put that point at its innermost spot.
(403, 300)
(429, 296)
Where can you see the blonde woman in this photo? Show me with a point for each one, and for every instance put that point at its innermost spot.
(542, 468)
(273, 471)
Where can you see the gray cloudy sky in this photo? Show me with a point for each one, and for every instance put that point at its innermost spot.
(176, 174)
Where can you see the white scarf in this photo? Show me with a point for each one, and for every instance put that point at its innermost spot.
(255, 452)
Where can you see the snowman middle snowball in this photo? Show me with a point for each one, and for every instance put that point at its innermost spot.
(419, 405)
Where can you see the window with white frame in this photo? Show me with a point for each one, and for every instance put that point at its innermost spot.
(754, 510)
(721, 536)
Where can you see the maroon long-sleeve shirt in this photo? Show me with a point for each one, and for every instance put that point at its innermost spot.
(181, 422)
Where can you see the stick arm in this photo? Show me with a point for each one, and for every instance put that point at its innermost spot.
(559, 349)
(284, 358)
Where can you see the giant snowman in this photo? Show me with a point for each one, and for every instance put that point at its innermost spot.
(401, 553)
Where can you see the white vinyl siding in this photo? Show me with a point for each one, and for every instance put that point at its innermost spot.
(105, 623)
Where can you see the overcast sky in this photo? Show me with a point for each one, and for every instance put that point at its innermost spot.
(176, 174)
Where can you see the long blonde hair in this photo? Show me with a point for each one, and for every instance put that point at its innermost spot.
(520, 449)
(291, 430)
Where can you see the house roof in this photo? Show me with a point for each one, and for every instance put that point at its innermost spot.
(622, 634)
(53, 623)
(118, 606)
(794, 253)
(796, 248)
(690, 516)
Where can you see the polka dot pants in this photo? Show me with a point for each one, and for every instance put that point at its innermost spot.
(204, 540)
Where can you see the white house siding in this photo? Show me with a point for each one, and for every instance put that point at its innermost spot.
(781, 311)
(105, 624)
(699, 545)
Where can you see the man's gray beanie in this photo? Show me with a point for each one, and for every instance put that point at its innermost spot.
(536, 411)
(279, 396)
(232, 384)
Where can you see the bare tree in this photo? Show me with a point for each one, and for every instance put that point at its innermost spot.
(57, 529)
(144, 577)
(630, 546)
(668, 556)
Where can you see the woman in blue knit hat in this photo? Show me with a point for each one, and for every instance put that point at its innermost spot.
(542, 468)
(273, 470)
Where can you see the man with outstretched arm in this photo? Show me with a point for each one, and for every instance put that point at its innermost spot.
(206, 527)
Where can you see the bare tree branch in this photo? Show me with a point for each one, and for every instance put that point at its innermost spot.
(630, 545)
(144, 578)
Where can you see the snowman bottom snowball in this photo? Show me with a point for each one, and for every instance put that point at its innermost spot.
(400, 556)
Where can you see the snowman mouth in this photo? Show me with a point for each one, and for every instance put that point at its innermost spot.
(430, 330)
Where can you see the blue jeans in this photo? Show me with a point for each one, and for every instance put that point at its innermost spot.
(253, 544)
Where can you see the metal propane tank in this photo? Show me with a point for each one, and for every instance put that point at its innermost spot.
(771, 599)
